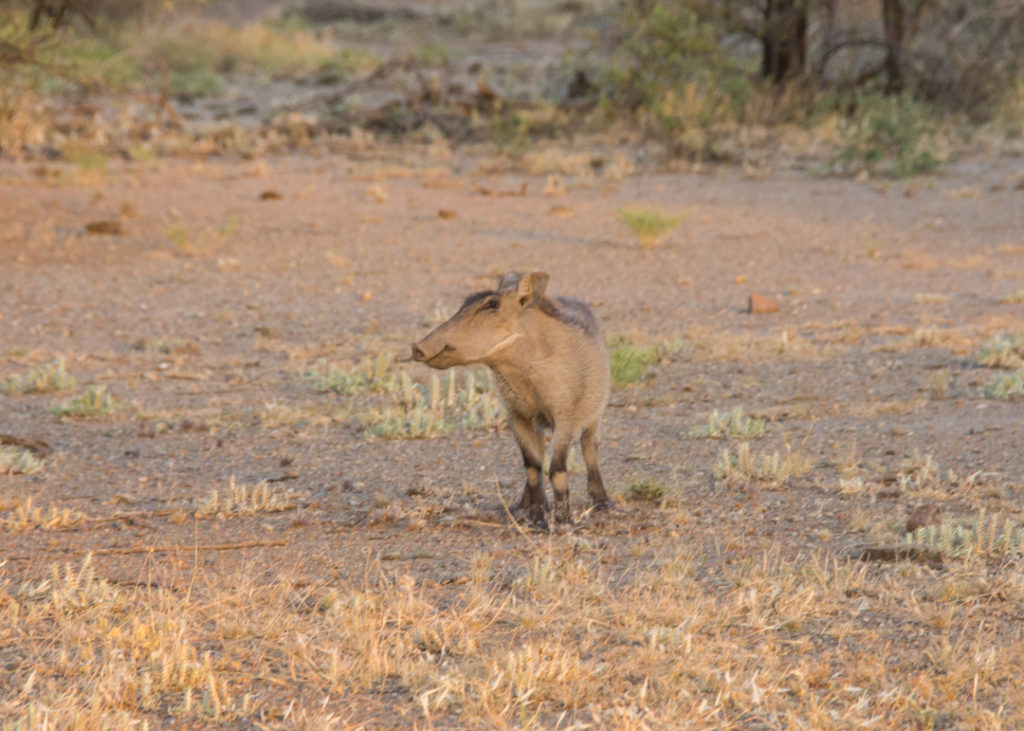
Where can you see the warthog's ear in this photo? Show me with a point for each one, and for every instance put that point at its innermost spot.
(531, 289)
(509, 280)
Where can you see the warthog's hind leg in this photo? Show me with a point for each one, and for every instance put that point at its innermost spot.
(595, 485)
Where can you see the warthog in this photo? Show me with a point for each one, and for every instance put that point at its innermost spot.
(551, 366)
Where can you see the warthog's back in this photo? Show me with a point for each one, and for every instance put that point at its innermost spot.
(573, 313)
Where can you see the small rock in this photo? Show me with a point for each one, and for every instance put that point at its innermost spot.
(922, 515)
(270, 195)
(759, 304)
(446, 213)
(111, 228)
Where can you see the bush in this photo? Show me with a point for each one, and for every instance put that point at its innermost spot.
(890, 135)
(672, 71)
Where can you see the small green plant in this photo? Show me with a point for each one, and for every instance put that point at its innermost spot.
(372, 375)
(1002, 351)
(94, 402)
(647, 490)
(630, 363)
(45, 379)
(1014, 298)
(890, 135)
(1006, 387)
(167, 346)
(85, 156)
(196, 83)
(774, 469)
(16, 461)
(981, 535)
(179, 236)
(733, 423)
(419, 413)
(649, 225)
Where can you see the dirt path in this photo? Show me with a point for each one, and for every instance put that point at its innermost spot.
(232, 279)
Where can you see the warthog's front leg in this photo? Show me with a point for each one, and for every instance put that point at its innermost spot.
(531, 442)
(558, 474)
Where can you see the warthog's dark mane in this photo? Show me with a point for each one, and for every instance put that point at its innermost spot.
(572, 312)
(567, 310)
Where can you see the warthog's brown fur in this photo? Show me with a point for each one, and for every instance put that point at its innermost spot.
(551, 364)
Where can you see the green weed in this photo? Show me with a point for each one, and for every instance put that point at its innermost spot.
(421, 413)
(649, 225)
(372, 375)
(179, 236)
(85, 156)
(1002, 351)
(981, 535)
(733, 423)
(196, 83)
(16, 461)
(265, 49)
(94, 402)
(647, 490)
(1006, 387)
(630, 363)
(671, 71)
(774, 469)
(890, 135)
(45, 379)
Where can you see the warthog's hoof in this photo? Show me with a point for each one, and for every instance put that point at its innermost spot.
(532, 515)
(606, 505)
(561, 529)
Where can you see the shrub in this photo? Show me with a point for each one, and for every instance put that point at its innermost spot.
(630, 363)
(673, 72)
(890, 135)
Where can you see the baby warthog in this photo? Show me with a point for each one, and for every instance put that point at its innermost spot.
(551, 364)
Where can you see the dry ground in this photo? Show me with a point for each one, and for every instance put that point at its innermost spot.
(228, 547)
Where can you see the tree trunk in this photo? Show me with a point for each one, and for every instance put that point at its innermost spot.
(784, 39)
(893, 21)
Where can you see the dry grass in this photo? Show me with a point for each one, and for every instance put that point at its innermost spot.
(94, 401)
(771, 469)
(16, 461)
(421, 412)
(1002, 351)
(22, 515)
(549, 641)
(44, 379)
(242, 499)
(731, 424)
(980, 535)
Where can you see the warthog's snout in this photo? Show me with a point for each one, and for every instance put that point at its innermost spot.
(429, 348)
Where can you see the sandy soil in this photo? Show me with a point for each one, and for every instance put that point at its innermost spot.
(201, 317)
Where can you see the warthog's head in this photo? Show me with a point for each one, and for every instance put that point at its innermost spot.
(487, 323)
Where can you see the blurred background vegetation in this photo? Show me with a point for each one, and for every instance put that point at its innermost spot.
(871, 87)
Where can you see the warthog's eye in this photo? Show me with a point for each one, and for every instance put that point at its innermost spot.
(490, 305)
